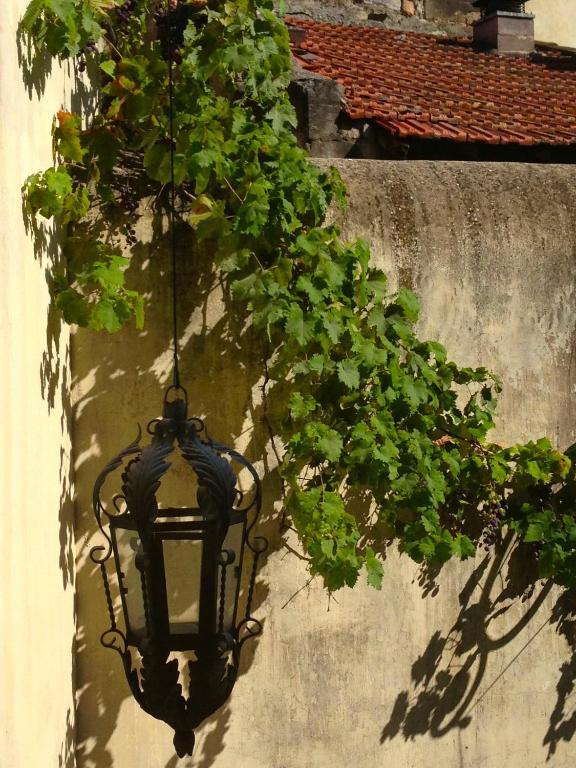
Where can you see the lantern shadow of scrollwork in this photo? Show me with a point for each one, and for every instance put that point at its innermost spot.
(164, 555)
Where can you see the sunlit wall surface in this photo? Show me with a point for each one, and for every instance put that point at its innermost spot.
(36, 557)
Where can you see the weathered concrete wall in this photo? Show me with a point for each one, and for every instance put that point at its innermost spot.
(467, 667)
(36, 557)
(490, 249)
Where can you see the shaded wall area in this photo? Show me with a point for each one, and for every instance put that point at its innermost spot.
(36, 542)
(470, 666)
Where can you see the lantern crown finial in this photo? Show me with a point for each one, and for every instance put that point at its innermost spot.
(175, 408)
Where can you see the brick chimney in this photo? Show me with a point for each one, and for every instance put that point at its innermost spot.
(504, 27)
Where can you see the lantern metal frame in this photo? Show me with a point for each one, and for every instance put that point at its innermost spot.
(155, 682)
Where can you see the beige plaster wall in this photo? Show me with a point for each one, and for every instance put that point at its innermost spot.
(466, 667)
(555, 21)
(36, 559)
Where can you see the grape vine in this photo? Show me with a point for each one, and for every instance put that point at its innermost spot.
(375, 414)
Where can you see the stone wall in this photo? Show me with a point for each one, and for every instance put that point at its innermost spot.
(469, 666)
(442, 9)
(36, 543)
(410, 15)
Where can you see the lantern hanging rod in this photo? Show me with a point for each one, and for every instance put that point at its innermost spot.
(176, 369)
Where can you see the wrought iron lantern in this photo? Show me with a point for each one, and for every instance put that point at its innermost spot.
(179, 570)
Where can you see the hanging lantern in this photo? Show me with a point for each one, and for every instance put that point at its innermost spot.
(179, 570)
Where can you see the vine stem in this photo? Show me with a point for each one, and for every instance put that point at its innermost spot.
(302, 588)
(231, 188)
(266, 418)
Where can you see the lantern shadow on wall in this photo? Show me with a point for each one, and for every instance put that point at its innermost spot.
(179, 570)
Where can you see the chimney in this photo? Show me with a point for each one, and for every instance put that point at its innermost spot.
(297, 34)
(504, 27)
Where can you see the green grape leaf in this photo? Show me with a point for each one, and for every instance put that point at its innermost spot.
(297, 326)
(409, 304)
(463, 547)
(374, 569)
(67, 137)
(301, 405)
(348, 373)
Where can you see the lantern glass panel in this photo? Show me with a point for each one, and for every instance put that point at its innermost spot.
(126, 546)
(233, 541)
(183, 567)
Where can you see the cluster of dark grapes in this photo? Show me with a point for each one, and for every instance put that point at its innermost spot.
(128, 199)
(88, 50)
(494, 517)
(124, 12)
(171, 25)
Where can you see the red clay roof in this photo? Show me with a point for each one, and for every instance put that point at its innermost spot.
(420, 85)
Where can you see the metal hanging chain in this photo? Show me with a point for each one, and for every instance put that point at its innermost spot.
(176, 370)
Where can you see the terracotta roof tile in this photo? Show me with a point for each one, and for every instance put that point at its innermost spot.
(419, 85)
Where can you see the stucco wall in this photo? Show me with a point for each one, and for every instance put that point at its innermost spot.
(36, 557)
(467, 667)
(555, 21)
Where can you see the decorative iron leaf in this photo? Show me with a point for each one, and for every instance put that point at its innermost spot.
(100, 554)
(243, 461)
(214, 473)
(234, 454)
(141, 480)
(113, 464)
(161, 690)
(211, 682)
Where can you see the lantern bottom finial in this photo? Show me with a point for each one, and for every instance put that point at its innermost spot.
(184, 743)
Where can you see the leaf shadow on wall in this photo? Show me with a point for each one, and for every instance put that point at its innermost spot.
(120, 380)
(562, 725)
(35, 66)
(500, 601)
(54, 373)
